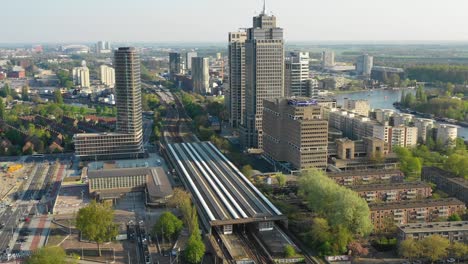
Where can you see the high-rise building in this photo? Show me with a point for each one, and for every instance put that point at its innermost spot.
(364, 65)
(81, 75)
(188, 59)
(103, 47)
(297, 74)
(237, 78)
(201, 75)
(107, 75)
(127, 140)
(328, 59)
(175, 64)
(360, 107)
(295, 132)
(264, 72)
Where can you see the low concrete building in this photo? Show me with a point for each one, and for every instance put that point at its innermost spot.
(393, 191)
(453, 231)
(422, 211)
(358, 177)
(111, 184)
(447, 182)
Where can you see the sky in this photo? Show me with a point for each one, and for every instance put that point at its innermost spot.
(67, 21)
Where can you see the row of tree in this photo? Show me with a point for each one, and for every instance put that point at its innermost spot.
(342, 216)
(433, 248)
(439, 73)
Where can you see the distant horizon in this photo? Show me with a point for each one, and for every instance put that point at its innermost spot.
(182, 21)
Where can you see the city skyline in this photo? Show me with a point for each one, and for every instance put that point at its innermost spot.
(361, 20)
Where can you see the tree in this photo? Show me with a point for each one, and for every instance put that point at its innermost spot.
(96, 223)
(319, 232)
(454, 217)
(281, 178)
(168, 225)
(357, 249)
(247, 170)
(435, 247)
(339, 205)
(410, 248)
(48, 255)
(289, 251)
(458, 250)
(2, 109)
(25, 93)
(195, 249)
(58, 98)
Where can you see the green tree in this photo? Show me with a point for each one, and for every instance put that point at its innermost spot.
(410, 248)
(195, 249)
(48, 255)
(435, 247)
(2, 109)
(58, 98)
(25, 93)
(168, 225)
(281, 178)
(96, 223)
(247, 170)
(289, 251)
(458, 249)
(339, 205)
(454, 217)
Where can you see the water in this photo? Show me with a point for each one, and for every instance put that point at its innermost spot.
(384, 99)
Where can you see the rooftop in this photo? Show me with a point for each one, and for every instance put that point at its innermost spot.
(363, 173)
(415, 204)
(390, 186)
(434, 226)
(120, 172)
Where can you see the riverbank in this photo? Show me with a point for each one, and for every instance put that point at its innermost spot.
(402, 109)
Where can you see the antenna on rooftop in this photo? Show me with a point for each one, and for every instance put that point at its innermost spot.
(264, 7)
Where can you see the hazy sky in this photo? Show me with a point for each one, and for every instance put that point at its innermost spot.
(210, 20)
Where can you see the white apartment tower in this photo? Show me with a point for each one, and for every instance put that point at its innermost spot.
(107, 75)
(81, 75)
(297, 74)
(201, 75)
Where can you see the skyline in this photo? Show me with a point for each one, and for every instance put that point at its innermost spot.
(303, 21)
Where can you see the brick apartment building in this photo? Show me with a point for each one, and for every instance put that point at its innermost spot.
(393, 191)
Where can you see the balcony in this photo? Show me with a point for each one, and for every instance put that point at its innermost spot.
(385, 178)
(420, 217)
(398, 213)
(412, 192)
(366, 178)
(370, 194)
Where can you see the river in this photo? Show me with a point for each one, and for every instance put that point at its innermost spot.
(384, 99)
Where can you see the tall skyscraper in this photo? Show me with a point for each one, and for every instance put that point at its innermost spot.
(328, 59)
(297, 74)
(127, 140)
(237, 78)
(201, 75)
(81, 75)
(103, 47)
(175, 64)
(188, 59)
(364, 65)
(107, 75)
(264, 72)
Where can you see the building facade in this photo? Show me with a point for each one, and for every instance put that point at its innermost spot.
(103, 47)
(360, 107)
(447, 134)
(453, 231)
(364, 65)
(264, 63)
(424, 126)
(328, 59)
(359, 177)
(414, 211)
(81, 76)
(297, 74)
(393, 192)
(175, 64)
(201, 75)
(236, 105)
(127, 141)
(295, 132)
(107, 75)
(188, 59)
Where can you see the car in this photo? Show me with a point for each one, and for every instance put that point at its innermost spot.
(451, 260)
